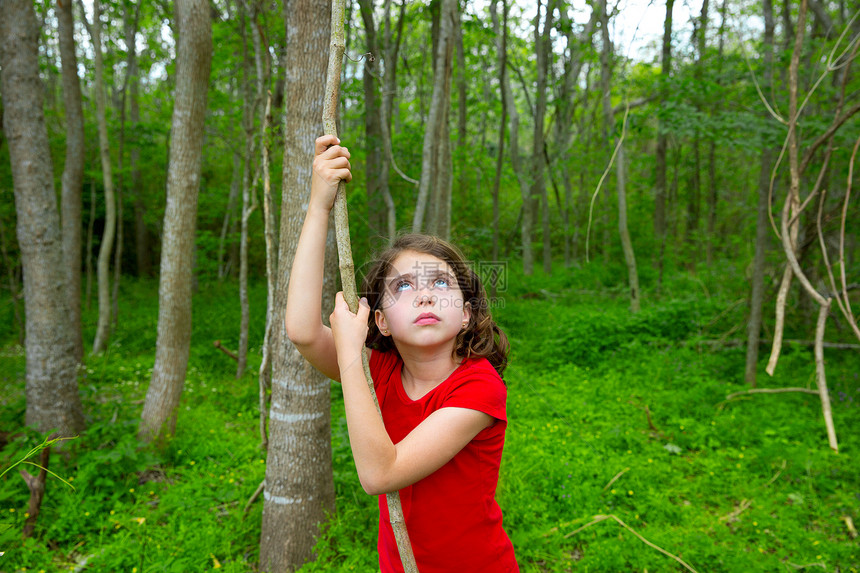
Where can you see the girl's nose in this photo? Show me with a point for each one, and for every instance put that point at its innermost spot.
(425, 298)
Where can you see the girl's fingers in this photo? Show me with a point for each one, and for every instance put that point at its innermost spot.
(324, 142)
(344, 174)
(333, 152)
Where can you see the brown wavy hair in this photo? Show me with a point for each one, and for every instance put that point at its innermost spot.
(482, 337)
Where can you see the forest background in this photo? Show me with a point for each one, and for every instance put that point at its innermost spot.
(665, 234)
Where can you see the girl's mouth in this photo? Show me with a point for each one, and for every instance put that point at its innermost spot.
(426, 318)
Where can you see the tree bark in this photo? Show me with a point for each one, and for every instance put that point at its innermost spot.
(620, 173)
(299, 492)
(526, 222)
(250, 101)
(229, 214)
(437, 115)
(103, 264)
(662, 141)
(762, 230)
(141, 233)
(73, 170)
(374, 164)
(193, 60)
(51, 386)
(389, 88)
(543, 52)
(501, 63)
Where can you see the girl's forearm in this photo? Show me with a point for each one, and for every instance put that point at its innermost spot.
(372, 448)
(304, 295)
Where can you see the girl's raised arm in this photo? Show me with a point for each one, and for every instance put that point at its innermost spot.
(303, 317)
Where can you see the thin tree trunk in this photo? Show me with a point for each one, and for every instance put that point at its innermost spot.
(793, 199)
(821, 378)
(88, 258)
(389, 88)
(620, 173)
(439, 101)
(229, 214)
(265, 377)
(73, 170)
(141, 234)
(249, 111)
(299, 493)
(526, 222)
(103, 264)
(500, 156)
(662, 142)
(374, 143)
(51, 385)
(193, 59)
(263, 66)
(462, 102)
(543, 52)
(762, 227)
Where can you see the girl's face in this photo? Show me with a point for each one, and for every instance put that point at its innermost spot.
(422, 305)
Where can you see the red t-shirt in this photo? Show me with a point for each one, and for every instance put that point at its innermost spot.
(453, 520)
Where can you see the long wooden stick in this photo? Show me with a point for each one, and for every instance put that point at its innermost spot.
(344, 251)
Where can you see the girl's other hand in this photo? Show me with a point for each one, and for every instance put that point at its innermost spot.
(331, 165)
(349, 330)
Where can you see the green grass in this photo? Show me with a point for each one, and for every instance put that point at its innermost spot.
(745, 485)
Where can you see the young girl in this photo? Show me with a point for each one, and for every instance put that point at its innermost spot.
(436, 362)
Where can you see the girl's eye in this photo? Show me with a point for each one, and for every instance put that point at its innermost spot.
(402, 286)
(440, 283)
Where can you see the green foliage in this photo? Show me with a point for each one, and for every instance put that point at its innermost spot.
(712, 481)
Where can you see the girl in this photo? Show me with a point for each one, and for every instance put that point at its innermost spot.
(436, 362)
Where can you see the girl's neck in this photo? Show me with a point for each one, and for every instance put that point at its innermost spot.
(420, 374)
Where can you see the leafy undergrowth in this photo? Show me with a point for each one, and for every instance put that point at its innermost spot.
(609, 414)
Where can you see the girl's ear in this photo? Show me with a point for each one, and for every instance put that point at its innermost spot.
(467, 312)
(381, 323)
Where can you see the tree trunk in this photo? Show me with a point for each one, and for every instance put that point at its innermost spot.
(374, 164)
(250, 102)
(437, 115)
(620, 182)
(88, 249)
(462, 102)
(389, 88)
(694, 238)
(299, 491)
(762, 227)
(103, 264)
(526, 222)
(51, 387)
(141, 234)
(229, 214)
(193, 61)
(500, 156)
(73, 170)
(543, 50)
(662, 141)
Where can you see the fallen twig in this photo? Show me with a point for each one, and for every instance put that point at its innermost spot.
(613, 480)
(599, 518)
(745, 504)
(776, 475)
(734, 342)
(217, 344)
(771, 391)
(254, 497)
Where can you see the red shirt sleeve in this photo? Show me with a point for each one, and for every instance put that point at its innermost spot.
(479, 387)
